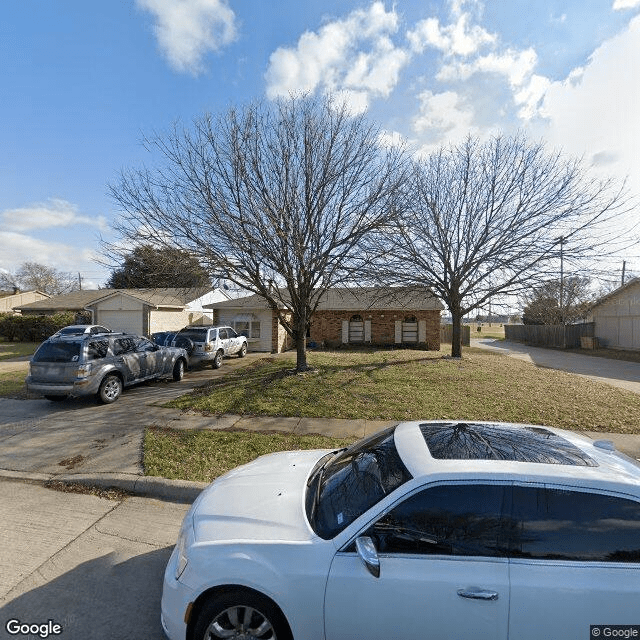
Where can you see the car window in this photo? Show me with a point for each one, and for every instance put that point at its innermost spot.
(222, 334)
(459, 519)
(58, 352)
(145, 345)
(97, 349)
(556, 524)
(123, 345)
(231, 333)
(352, 482)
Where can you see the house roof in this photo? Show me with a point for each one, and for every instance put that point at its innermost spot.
(78, 300)
(353, 299)
(616, 292)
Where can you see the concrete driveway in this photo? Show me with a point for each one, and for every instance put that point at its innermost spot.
(617, 373)
(80, 436)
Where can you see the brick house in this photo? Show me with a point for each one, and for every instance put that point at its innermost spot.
(368, 316)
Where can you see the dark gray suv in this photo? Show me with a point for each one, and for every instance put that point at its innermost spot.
(100, 365)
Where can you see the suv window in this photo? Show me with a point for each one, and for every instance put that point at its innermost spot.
(231, 333)
(97, 349)
(460, 520)
(123, 345)
(58, 352)
(556, 524)
(222, 334)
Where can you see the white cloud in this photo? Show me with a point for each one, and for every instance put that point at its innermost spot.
(459, 38)
(53, 213)
(515, 66)
(594, 112)
(353, 57)
(188, 29)
(619, 5)
(443, 116)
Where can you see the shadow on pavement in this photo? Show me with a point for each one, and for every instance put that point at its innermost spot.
(101, 599)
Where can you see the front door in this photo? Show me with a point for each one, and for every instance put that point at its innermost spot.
(443, 571)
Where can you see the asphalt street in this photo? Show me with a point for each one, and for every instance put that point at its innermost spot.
(91, 565)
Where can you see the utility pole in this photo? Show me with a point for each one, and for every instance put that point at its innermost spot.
(79, 281)
(624, 267)
(561, 279)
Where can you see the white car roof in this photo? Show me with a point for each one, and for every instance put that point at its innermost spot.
(605, 467)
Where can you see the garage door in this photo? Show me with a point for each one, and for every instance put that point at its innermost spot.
(128, 321)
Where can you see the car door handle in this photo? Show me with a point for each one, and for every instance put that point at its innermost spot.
(478, 594)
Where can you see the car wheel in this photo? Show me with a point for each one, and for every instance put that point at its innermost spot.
(56, 398)
(217, 361)
(243, 350)
(241, 614)
(110, 389)
(178, 370)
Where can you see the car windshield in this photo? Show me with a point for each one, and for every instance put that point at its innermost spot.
(351, 481)
(58, 352)
(198, 334)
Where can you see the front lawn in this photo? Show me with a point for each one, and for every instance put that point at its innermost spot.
(418, 385)
(204, 455)
(12, 384)
(10, 350)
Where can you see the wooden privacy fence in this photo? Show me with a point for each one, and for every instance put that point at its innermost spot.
(549, 335)
(446, 334)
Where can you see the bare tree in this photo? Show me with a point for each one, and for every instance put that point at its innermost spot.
(34, 275)
(492, 218)
(556, 302)
(275, 197)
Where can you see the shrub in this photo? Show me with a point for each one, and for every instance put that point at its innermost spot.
(17, 328)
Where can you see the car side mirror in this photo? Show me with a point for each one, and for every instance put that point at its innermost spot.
(369, 555)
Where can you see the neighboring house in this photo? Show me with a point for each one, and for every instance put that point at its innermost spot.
(617, 317)
(375, 316)
(10, 300)
(140, 311)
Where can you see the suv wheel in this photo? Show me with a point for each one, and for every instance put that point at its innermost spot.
(110, 389)
(217, 361)
(243, 350)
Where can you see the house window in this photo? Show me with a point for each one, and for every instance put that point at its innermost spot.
(410, 329)
(247, 325)
(356, 329)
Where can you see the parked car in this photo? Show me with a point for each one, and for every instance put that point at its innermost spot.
(80, 329)
(423, 530)
(100, 364)
(206, 344)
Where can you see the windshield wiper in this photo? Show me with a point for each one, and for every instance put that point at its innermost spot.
(317, 475)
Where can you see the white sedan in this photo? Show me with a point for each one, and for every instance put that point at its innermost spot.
(424, 530)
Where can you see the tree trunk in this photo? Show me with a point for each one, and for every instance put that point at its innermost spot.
(301, 352)
(456, 338)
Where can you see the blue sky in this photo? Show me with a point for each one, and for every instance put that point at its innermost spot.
(81, 82)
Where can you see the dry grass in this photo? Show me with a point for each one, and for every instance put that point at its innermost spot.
(415, 385)
(205, 455)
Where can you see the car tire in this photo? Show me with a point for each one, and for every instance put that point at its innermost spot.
(56, 398)
(217, 361)
(110, 389)
(185, 343)
(242, 612)
(243, 350)
(178, 370)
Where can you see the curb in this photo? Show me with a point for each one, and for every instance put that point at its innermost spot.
(146, 486)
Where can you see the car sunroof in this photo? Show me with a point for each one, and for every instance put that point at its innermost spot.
(473, 441)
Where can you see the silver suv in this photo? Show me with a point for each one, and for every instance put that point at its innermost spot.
(206, 344)
(100, 365)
